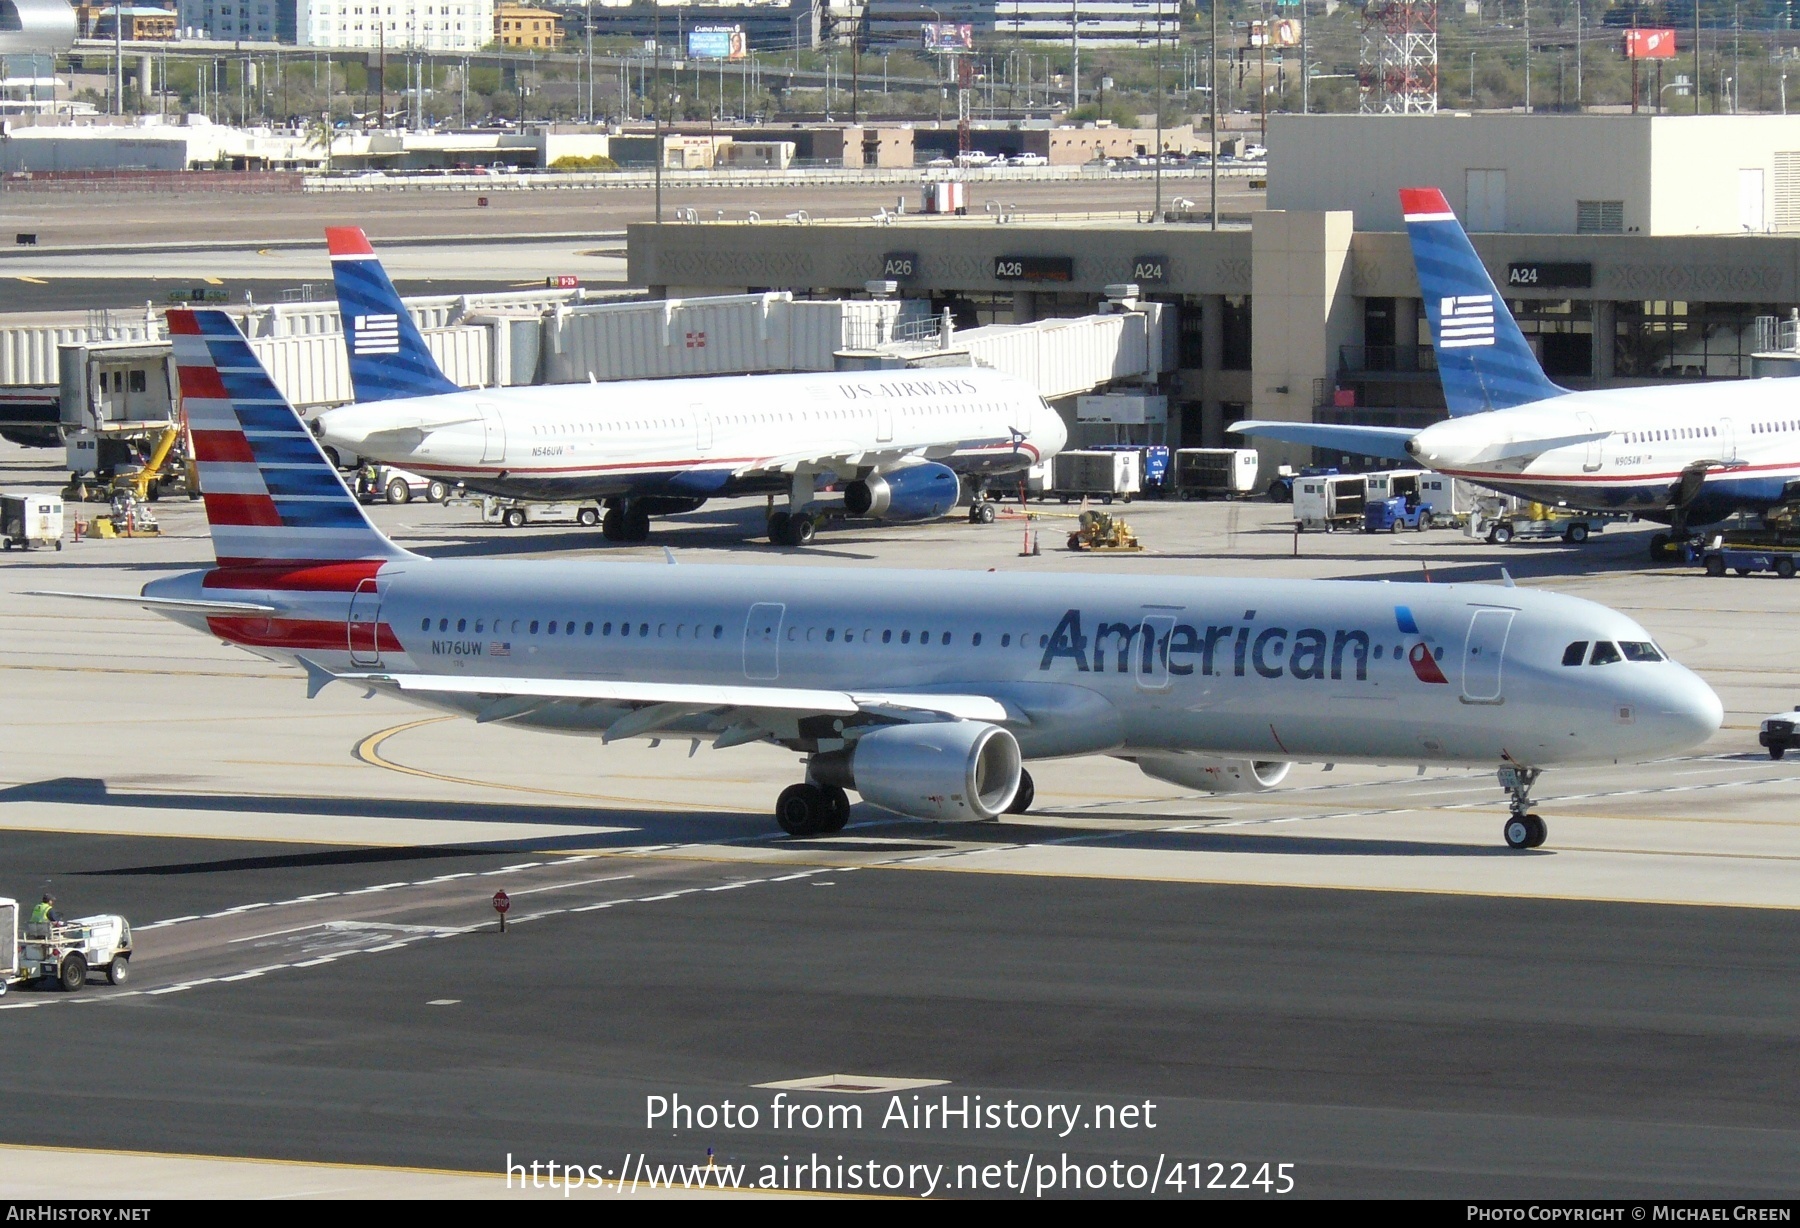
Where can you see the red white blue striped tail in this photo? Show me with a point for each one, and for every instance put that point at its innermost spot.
(271, 496)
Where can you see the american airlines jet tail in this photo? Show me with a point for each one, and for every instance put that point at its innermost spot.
(924, 692)
(896, 443)
(1686, 455)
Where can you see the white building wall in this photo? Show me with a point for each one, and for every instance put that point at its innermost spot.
(421, 25)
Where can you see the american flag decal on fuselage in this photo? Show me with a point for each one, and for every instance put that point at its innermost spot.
(376, 334)
(1465, 320)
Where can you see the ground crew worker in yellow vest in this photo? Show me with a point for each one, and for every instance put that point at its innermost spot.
(45, 913)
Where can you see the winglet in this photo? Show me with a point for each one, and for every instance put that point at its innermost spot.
(317, 676)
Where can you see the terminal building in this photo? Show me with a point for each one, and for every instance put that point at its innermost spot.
(1632, 249)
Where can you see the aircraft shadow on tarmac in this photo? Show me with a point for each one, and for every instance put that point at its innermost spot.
(635, 828)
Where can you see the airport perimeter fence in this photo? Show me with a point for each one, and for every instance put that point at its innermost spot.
(539, 181)
(152, 181)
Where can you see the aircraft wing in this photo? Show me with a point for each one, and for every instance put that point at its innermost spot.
(836, 456)
(662, 703)
(1384, 441)
(1524, 449)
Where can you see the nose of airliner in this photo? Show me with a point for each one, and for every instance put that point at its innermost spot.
(1684, 712)
(1049, 432)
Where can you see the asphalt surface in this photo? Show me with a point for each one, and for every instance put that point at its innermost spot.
(1381, 1044)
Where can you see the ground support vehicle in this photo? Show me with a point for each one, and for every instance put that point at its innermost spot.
(1281, 486)
(516, 514)
(1101, 533)
(1396, 512)
(1153, 466)
(1098, 475)
(1329, 502)
(1780, 733)
(64, 953)
(28, 521)
(386, 483)
(1215, 473)
(1747, 552)
(1534, 520)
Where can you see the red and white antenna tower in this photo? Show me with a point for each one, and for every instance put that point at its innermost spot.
(1398, 74)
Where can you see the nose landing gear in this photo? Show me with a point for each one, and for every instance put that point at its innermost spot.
(1523, 829)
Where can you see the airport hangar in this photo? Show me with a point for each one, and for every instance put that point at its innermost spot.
(1634, 248)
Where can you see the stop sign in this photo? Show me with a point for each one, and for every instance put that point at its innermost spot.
(501, 902)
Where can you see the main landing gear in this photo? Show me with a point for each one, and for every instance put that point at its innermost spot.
(812, 810)
(1523, 829)
(625, 521)
(1670, 547)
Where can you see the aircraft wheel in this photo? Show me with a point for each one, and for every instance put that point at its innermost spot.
(1518, 832)
(802, 529)
(803, 810)
(1540, 831)
(837, 807)
(983, 513)
(1659, 547)
(637, 525)
(612, 525)
(1027, 794)
(778, 529)
(1715, 565)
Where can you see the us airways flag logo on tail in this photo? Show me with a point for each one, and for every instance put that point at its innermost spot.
(271, 496)
(388, 357)
(1466, 320)
(375, 334)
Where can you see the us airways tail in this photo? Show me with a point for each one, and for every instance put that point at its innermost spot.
(271, 496)
(388, 358)
(1482, 357)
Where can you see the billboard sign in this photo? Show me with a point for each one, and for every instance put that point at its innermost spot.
(947, 37)
(717, 43)
(1649, 44)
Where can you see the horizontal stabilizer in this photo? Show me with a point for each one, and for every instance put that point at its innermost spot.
(1383, 441)
(228, 609)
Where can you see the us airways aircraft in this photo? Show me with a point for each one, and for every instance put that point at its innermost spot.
(925, 692)
(896, 442)
(1685, 455)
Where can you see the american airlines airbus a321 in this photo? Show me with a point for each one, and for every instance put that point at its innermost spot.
(924, 692)
(896, 443)
(1683, 454)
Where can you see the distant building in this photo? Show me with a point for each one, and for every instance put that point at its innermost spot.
(1114, 23)
(517, 25)
(140, 22)
(768, 25)
(403, 25)
(38, 27)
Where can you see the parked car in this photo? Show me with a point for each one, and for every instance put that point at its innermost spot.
(1028, 159)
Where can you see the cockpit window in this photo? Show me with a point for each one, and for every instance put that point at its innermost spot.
(1604, 653)
(1639, 650)
(1575, 653)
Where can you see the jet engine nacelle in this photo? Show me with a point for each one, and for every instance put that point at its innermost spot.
(1215, 775)
(949, 771)
(917, 492)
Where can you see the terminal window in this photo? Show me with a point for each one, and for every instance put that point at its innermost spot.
(1672, 339)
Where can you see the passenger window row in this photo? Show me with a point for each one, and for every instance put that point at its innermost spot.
(519, 626)
(1771, 428)
(1686, 432)
(1606, 652)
